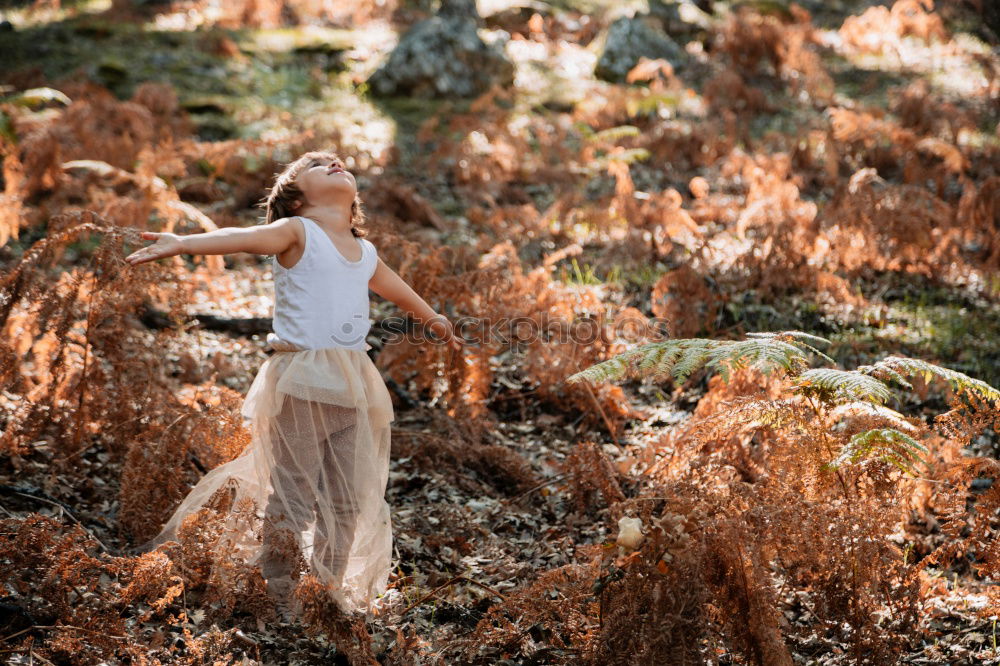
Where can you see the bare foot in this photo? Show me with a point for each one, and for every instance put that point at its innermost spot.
(279, 590)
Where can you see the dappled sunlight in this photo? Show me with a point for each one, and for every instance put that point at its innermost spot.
(556, 71)
(913, 41)
(731, 325)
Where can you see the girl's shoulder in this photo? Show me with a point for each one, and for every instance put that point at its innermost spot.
(372, 256)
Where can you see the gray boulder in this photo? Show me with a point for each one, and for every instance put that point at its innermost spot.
(682, 17)
(443, 56)
(629, 39)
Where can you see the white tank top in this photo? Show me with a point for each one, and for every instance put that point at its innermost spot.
(322, 301)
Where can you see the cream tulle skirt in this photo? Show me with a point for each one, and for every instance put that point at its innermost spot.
(316, 470)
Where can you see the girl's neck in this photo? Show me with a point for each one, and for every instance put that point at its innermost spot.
(334, 218)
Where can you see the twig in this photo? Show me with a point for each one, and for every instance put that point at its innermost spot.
(600, 409)
(32, 655)
(510, 396)
(452, 581)
(63, 508)
(604, 416)
(61, 626)
(15, 635)
(551, 479)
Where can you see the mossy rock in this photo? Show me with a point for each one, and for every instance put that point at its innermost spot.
(206, 104)
(215, 127)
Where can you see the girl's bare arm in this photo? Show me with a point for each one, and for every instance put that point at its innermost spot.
(271, 238)
(386, 283)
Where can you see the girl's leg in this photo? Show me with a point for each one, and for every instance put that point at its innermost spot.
(337, 505)
(296, 443)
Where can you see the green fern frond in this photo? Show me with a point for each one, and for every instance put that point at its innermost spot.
(650, 104)
(676, 358)
(764, 354)
(614, 133)
(891, 446)
(831, 385)
(870, 413)
(796, 335)
(689, 362)
(615, 367)
(885, 373)
(899, 367)
(799, 339)
(660, 356)
(630, 156)
(586, 131)
(682, 357)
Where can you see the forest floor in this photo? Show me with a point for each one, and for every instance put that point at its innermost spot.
(496, 538)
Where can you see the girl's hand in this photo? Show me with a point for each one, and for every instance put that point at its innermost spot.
(442, 329)
(166, 245)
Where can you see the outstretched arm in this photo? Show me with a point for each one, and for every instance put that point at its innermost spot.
(386, 283)
(259, 239)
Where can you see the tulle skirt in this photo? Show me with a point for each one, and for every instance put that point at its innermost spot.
(316, 470)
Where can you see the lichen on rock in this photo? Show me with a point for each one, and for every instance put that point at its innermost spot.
(629, 39)
(444, 56)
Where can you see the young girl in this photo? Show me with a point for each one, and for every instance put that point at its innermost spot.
(319, 412)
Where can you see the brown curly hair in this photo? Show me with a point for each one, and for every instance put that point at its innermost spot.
(285, 192)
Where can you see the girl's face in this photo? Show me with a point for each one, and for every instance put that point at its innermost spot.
(323, 177)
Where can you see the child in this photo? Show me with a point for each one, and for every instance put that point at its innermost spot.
(319, 411)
